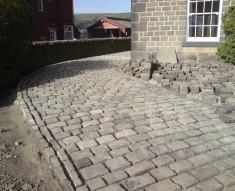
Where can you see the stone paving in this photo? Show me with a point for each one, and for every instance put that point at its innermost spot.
(102, 130)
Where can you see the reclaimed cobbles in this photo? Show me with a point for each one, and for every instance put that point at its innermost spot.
(117, 163)
(102, 130)
(115, 177)
(185, 180)
(210, 184)
(138, 182)
(162, 173)
(140, 168)
(165, 185)
(204, 173)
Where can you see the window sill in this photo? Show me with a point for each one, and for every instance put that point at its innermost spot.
(200, 44)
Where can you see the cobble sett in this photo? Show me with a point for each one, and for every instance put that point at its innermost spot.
(119, 133)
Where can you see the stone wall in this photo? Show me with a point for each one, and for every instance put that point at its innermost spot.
(158, 24)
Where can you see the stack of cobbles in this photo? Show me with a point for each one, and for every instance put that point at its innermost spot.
(214, 82)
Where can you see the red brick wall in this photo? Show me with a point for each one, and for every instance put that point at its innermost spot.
(55, 14)
(65, 10)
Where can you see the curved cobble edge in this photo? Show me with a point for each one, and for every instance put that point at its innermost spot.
(63, 169)
(52, 151)
(58, 161)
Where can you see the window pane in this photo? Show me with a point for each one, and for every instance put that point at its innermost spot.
(206, 32)
(191, 31)
(199, 32)
(215, 6)
(192, 7)
(215, 20)
(214, 31)
(192, 20)
(207, 19)
(52, 36)
(200, 7)
(40, 6)
(68, 35)
(208, 6)
(200, 20)
(203, 18)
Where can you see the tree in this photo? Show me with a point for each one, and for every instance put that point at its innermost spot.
(227, 48)
(16, 31)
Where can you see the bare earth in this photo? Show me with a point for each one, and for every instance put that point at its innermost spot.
(22, 167)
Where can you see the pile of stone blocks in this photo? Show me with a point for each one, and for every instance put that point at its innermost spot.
(211, 80)
(142, 68)
(214, 82)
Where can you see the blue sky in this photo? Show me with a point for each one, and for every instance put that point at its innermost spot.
(102, 6)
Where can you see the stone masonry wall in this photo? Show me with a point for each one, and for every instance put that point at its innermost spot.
(158, 24)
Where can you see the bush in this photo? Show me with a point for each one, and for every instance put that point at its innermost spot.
(45, 53)
(16, 31)
(228, 20)
(227, 48)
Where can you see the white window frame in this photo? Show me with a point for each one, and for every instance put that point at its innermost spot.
(40, 5)
(204, 39)
(53, 36)
(71, 32)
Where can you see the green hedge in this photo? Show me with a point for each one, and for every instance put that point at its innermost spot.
(46, 53)
(41, 54)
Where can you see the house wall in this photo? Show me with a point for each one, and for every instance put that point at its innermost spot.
(158, 24)
(102, 32)
(98, 33)
(55, 14)
(43, 18)
(65, 9)
(128, 32)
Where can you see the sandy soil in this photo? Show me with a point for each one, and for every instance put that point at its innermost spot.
(22, 167)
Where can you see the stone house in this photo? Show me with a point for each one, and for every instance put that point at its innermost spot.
(192, 28)
(110, 27)
(54, 20)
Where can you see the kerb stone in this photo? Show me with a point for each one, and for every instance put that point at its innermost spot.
(166, 55)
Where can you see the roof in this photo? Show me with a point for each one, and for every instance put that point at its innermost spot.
(120, 23)
(124, 22)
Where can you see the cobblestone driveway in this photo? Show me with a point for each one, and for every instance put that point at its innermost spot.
(101, 130)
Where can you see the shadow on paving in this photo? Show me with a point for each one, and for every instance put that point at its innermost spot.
(7, 96)
(64, 70)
